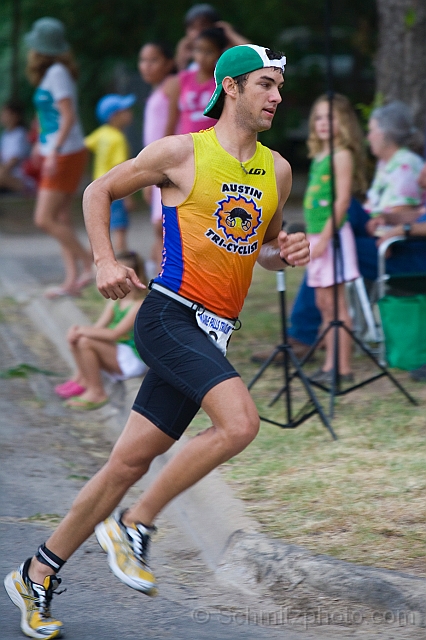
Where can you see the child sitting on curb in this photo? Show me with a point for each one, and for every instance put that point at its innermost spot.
(14, 150)
(107, 346)
(110, 147)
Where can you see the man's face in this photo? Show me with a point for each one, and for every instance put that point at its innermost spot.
(257, 104)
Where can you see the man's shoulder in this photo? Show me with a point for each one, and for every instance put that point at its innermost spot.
(175, 147)
(282, 166)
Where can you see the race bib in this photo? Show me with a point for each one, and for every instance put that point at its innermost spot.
(219, 329)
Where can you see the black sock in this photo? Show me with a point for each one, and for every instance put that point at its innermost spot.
(47, 557)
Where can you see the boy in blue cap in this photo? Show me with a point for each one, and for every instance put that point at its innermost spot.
(109, 146)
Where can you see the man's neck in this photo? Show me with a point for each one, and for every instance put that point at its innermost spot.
(238, 142)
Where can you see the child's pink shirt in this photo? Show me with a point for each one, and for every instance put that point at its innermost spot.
(193, 99)
(155, 116)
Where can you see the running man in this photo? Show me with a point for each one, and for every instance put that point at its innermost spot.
(223, 195)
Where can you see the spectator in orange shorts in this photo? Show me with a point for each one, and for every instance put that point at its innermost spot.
(51, 68)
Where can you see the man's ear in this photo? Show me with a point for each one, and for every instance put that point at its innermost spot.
(229, 86)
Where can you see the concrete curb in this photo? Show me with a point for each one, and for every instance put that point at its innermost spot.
(228, 539)
(254, 559)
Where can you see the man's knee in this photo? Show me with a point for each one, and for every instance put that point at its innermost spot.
(243, 431)
(127, 472)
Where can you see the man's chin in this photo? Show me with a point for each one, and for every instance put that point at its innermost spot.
(265, 125)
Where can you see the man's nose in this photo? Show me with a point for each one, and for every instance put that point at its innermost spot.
(276, 96)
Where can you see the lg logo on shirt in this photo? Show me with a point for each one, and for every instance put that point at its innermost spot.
(256, 172)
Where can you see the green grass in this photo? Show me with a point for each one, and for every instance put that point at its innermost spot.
(91, 302)
(360, 498)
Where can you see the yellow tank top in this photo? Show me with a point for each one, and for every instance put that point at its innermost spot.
(212, 239)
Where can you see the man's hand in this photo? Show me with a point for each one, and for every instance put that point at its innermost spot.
(294, 248)
(114, 280)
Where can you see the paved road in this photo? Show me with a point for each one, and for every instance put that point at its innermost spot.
(45, 457)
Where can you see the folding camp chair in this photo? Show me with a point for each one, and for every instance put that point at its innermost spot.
(402, 303)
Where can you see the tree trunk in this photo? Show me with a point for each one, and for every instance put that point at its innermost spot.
(401, 55)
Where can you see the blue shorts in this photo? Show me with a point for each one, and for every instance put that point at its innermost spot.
(184, 364)
(119, 215)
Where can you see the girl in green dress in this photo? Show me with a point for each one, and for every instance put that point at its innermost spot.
(319, 206)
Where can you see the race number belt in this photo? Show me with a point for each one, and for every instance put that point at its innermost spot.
(217, 328)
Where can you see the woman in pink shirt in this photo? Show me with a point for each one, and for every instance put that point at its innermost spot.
(191, 90)
(156, 64)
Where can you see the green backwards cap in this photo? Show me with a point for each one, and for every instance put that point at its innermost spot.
(235, 62)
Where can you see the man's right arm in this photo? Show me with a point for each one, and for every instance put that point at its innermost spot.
(155, 164)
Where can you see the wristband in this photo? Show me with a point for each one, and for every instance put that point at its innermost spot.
(286, 262)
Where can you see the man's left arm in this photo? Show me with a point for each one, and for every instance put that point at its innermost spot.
(280, 249)
(148, 168)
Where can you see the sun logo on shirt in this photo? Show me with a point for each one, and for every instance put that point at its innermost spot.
(238, 218)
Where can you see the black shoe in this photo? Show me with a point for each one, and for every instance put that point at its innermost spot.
(326, 377)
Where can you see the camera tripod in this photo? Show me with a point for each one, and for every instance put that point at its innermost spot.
(336, 325)
(312, 406)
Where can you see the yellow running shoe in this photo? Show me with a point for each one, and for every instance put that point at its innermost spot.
(34, 602)
(127, 549)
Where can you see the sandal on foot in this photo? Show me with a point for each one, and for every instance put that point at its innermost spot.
(80, 404)
(69, 389)
(60, 292)
(85, 279)
(326, 377)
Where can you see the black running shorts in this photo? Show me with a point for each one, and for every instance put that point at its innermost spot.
(184, 364)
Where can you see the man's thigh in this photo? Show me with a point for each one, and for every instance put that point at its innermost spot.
(140, 438)
(184, 362)
(229, 405)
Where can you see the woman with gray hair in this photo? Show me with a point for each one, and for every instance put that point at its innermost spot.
(396, 121)
(395, 194)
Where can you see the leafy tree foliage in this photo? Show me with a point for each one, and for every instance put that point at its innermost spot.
(106, 36)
